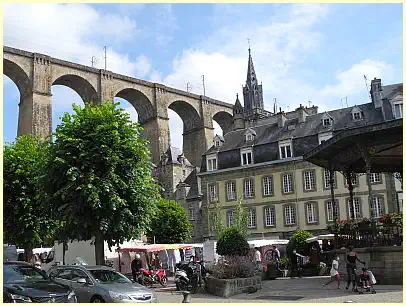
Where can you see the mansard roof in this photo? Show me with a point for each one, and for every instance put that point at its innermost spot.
(390, 91)
(267, 131)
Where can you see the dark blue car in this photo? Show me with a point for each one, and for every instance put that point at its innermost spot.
(23, 283)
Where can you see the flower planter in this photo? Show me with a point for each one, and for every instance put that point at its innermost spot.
(229, 287)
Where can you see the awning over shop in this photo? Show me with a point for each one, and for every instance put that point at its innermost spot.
(381, 143)
(261, 243)
(156, 247)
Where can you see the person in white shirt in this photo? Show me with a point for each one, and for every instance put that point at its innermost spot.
(258, 258)
(335, 276)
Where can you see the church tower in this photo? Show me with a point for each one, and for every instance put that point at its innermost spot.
(253, 98)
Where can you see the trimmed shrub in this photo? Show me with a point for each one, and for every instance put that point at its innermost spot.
(232, 243)
(234, 267)
(298, 242)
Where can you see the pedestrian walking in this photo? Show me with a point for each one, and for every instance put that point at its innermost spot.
(351, 260)
(257, 256)
(136, 265)
(335, 276)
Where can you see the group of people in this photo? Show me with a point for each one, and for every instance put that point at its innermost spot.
(351, 259)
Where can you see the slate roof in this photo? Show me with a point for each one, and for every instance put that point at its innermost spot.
(389, 91)
(192, 181)
(270, 132)
(173, 153)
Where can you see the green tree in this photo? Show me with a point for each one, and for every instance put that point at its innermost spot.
(99, 181)
(240, 218)
(298, 241)
(26, 220)
(170, 224)
(217, 217)
(232, 242)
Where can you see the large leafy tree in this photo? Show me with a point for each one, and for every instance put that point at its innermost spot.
(26, 220)
(99, 181)
(170, 224)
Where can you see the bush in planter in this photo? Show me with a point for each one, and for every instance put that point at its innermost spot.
(284, 263)
(298, 242)
(234, 267)
(232, 243)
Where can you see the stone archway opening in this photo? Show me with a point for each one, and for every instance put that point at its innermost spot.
(80, 85)
(193, 140)
(11, 99)
(224, 121)
(142, 105)
(17, 86)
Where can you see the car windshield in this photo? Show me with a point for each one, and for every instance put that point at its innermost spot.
(21, 273)
(109, 277)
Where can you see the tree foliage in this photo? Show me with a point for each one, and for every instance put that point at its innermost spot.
(298, 241)
(26, 220)
(99, 179)
(232, 242)
(170, 224)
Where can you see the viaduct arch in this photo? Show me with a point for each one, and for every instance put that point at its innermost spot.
(35, 73)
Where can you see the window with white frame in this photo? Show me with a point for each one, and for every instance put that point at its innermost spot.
(270, 217)
(290, 217)
(378, 207)
(191, 213)
(252, 218)
(213, 192)
(330, 210)
(354, 180)
(309, 180)
(374, 178)
(398, 110)
(327, 179)
(326, 122)
(230, 218)
(217, 143)
(231, 192)
(287, 182)
(285, 149)
(354, 210)
(356, 116)
(250, 137)
(246, 157)
(211, 162)
(267, 185)
(249, 188)
(311, 213)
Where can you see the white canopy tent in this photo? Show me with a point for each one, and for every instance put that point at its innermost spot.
(261, 243)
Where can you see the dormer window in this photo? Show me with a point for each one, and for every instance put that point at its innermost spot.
(212, 162)
(250, 135)
(285, 149)
(398, 110)
(357, 116)
(356, 113)
(246, 157)
(218, 141)
(326, 122)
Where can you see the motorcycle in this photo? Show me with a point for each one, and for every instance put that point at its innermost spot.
(188, 275)
(151, 277)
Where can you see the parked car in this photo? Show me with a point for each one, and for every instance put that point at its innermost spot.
(101, 284)
(23, 283)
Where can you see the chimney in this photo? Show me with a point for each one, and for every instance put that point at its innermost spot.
(302, 114)
(281, 119)
(376, 92)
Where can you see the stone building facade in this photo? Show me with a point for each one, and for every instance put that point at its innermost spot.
(260, 163)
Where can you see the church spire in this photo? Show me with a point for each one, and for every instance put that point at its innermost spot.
(253, 98)
(251, 76)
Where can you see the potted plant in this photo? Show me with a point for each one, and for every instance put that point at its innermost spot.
(283, 266)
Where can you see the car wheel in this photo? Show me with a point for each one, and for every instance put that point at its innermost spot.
(97, 299)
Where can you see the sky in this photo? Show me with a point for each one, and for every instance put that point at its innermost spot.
(302, 52)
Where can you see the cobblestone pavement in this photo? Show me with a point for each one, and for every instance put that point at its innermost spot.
(287, 290)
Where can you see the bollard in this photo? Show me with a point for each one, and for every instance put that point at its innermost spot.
(186, 297)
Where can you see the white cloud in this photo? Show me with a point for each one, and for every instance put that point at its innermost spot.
(142, 66)
(70, 32)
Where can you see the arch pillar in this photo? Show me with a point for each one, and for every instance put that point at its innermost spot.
(35, 107)
(196, 142)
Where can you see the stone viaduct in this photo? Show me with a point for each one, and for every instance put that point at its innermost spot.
(35, 73)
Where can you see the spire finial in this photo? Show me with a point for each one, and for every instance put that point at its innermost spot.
(237, 95)
(249, 46)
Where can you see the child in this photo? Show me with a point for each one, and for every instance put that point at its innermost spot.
(335, 276)
(365, 279)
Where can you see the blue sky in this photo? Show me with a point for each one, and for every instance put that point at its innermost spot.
(301, 52)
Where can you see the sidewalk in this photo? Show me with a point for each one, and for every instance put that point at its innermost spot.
(306, 289)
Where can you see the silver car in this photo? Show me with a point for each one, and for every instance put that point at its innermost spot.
(100, 284)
